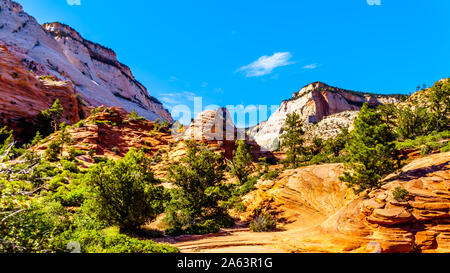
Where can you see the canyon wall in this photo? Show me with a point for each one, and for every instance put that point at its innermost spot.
(89, 69)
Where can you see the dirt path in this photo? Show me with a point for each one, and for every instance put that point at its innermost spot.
(234, 240)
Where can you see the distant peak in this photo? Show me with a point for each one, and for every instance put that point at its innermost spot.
(313, 87)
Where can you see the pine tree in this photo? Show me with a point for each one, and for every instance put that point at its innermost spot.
(292, 138)
(372, 151)
(241, 166)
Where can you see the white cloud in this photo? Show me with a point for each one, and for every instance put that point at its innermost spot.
(177, 97)
(266, 64)
(173, 79)
(311, 66)
(74, 2)
(218, 90)
(204, 84)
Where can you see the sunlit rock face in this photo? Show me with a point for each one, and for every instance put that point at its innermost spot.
(93, 70)
(23, 96)
(213, 125)
(217, 129)
(314, 103)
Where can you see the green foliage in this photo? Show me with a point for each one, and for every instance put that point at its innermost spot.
(434, 141)
(292, 138)
(54, 149)
(414, 122)
(400, 194)
(6, 143)
(317, 146)
(337, 144)
(199, 196)
(446, 148)
(126, 192)
(440, 104)
(49, 119)
(32, 229)
(94, 241)
(242, 164)
(271, 175)
(74, 153)
(37, 138)
(263, 223)
(134, 116)
(372, 151)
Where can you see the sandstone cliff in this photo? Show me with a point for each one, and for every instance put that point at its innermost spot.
(24, 96)
(91, 70)
(313, 103)
(216, 128)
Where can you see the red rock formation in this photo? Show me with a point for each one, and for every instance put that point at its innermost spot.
(24, 96)
(93, 70)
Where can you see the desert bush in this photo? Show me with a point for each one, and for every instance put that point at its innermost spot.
(400, 194)
(263, 223)
(125, 191)
(197, 201)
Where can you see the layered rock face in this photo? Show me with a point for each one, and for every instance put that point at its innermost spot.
(313, 103)
(92, 70)
(301, 197)
(24, 96)
(379, 223)
(216, 127)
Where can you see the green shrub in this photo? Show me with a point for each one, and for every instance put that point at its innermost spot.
(400, 194)
(446, 148)
(73, 153)
(135, 116)
(92, 241)
(271, 175)
(200, 193)
(100, 159)
(125, 191)
(70, 166)
(32, 230)
(263, 223)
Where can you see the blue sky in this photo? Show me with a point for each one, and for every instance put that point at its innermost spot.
(259, 51)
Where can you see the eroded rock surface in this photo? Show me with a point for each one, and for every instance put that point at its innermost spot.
(92, 70)
(313, 103)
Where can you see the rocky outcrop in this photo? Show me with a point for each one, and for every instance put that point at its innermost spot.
(24, 96)
(301, 197)
(379, 223)
(216, 128)
(313, 103)
(92, 70)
